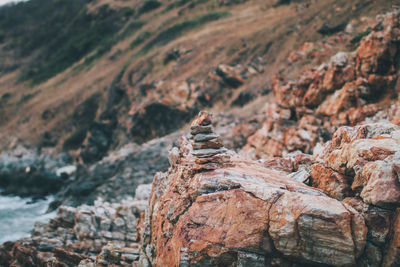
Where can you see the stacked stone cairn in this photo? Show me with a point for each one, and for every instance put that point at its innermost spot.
(204, 141)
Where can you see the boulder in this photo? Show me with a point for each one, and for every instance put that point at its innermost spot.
(367, 158)
(230, 75)
(392, 255)
(244, 213)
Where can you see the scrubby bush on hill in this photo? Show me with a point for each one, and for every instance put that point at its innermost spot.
(59, 33)
(178, 29)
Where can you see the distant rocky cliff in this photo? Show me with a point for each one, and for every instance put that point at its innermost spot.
(343, 91)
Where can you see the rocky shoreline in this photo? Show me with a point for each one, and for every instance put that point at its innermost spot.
(225, 210)
(99, 235)
(316, 183)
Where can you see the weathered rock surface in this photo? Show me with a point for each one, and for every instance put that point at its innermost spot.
(346, 90)
(339, 207)
(243, 213)
(392, 255)
(361, 160)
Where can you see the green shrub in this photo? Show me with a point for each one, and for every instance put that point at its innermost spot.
(148, 6)
(131, 29)
(127, 11)
(143, 36)
(5, 96)
(176, 30)
(75, 140)
(115, 55)
(26, 97)
(59, 33)
(356, 39)
(109, 42)
(177, 4)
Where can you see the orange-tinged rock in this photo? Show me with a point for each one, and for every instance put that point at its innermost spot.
(220, 219)
(332, 183)
(368, 156)
(203, 119)
(342, 99)
(241, 213)
(335, 77)
(316, 229)
(343, 91)
(379, 182)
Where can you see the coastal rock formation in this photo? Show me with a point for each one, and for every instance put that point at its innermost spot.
(360, 167)
(241, 213)
(118, 174)
(361, 160)
(304, 191)
(101, 235)
(344, 91)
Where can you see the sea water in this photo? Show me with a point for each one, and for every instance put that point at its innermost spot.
(18, 216)
(3, 2)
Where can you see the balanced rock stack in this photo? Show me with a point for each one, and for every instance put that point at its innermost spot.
(205, 142)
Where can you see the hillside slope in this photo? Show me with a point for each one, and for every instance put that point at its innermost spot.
(136, 70)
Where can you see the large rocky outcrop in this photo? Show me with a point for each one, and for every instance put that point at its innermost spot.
(243, 213)
(225, 210)
(361, 160)
(344, 91)
(360, 166)
(337, 207)
(118, 174)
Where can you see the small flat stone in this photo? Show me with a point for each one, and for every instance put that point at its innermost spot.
(205, 153)
(213, 143)
(196, 129)
(206, 166)
(205, 137)
(204, 118)
(219, 158)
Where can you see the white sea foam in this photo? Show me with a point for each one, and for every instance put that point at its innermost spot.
(3, 2)
(18, 215)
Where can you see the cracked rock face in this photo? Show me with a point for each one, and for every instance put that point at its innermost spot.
(244, 214)
(362, 160)
(343, 91)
